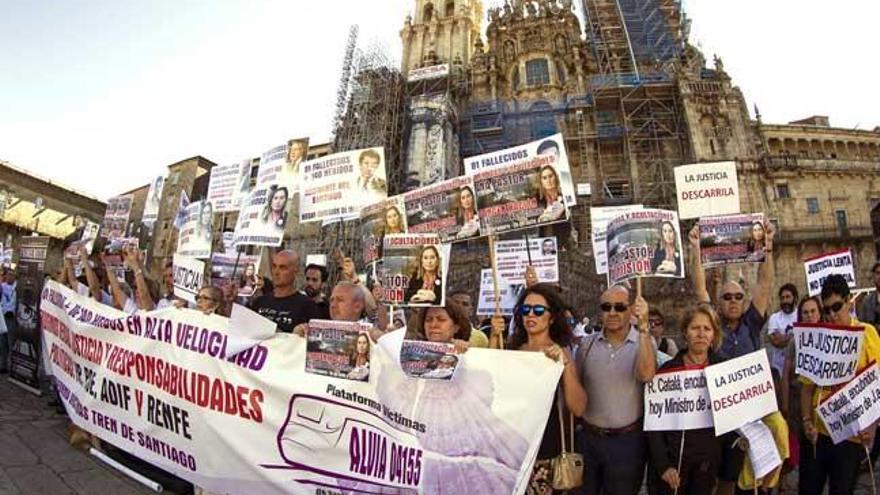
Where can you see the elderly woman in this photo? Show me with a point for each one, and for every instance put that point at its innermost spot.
(540, 325)
(447, 324)
(695, 472)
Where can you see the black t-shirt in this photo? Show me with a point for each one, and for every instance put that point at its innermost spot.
(287, 312)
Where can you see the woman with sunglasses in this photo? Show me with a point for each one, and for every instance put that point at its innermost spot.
(838, 464)
(540, 326)
(209, 300)
(694, 473)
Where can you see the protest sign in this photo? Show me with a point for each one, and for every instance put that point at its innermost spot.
(291, 432)
(550, 149)
(229, 184)
(86, 240)
(231, 267)
(412, 271)
(854, 407)
(377, 220)
(518, 196)
(741, 390)
(316, 259)
(434, 360)
(337, 186)
(507, 294)
(282, 165)
(197, 233)
(644, 243)
(339, 349)
(763, 452)
(263, 216)
(24, 337)
(188, 275)
(732, 239)
(827, 354)
(820, 267)
(599, 218)
(448, 209)
(154, 201)
(707, 189)
(115, 223)
(512, 259)
(678, 399)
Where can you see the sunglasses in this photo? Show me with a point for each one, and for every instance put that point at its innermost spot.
(834, 308)
(729, 297)
(537, 309)
(655, 323)
(619, 307)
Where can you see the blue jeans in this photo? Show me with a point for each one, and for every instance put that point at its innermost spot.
(613, 464)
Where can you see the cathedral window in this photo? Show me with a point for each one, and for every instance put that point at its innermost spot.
(428, 13)
(450, 8)
(537, 72)
(812, 206)
(782, 191)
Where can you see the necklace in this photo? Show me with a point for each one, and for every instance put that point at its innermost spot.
(687, 357)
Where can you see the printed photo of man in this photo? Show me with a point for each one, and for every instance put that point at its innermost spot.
(369, 184)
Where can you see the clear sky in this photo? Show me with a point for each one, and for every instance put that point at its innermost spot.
(102, 95)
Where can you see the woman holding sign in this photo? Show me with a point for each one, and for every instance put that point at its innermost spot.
(426, 286)
(667, 256)
(690, 470)
(541, 326)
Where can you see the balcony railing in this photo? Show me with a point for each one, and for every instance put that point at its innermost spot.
(793, 235)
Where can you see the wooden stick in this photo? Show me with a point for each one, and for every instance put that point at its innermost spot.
(497, 294)
(528, 247)
(680, 454)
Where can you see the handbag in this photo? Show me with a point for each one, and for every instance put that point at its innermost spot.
(568, 466)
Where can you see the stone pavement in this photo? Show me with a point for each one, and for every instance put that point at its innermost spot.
(36, 459)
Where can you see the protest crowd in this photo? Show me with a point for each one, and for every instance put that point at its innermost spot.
(737, 397)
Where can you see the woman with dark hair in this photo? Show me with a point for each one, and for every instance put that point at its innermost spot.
(448, 324)
(550, 195)
(206, 222)
(393, 221)
(540, 326)
(756, 237)
(667, 256)
(247, 283)
(359, 359)
(275, 210)
(426, 284)
(809, 310)
(695, 472)
(466, 213)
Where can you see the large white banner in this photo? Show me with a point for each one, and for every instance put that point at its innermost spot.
(706, 189)
(827, 354)
(820, 267)
(599, 218)
(164, 386)
(337, 186)
(512, 259)
(678, 399)
(154, 201)
(197, 234)
(229, 185)
(853, 408)
(741, 390)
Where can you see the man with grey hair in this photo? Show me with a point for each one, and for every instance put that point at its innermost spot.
(348, 302)
(285, 305)
(614, 365)
(741, 324)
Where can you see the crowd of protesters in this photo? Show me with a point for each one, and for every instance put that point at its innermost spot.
(600, 394)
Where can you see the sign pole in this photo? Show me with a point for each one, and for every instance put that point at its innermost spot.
(680, 454)
(528, 247)
(495, 281)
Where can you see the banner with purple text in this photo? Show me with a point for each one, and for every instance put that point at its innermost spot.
(170, 387)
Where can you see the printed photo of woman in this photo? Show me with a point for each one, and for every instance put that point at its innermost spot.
(205, 227)
(359, 359)
(393, 221)
(275, 211)
(426, 284)
(667, 256)
(465, 209)
(550, 195)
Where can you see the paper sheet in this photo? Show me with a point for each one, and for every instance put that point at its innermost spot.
(762, 448)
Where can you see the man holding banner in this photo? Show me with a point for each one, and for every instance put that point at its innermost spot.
(836, 463)
(741, 327)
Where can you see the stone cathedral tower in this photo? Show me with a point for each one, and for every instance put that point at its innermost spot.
(438, 44)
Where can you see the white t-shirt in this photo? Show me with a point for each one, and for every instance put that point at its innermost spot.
(783, 324)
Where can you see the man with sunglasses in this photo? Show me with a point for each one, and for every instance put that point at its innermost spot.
(741, 323)
(614, 366)
(839, 464)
